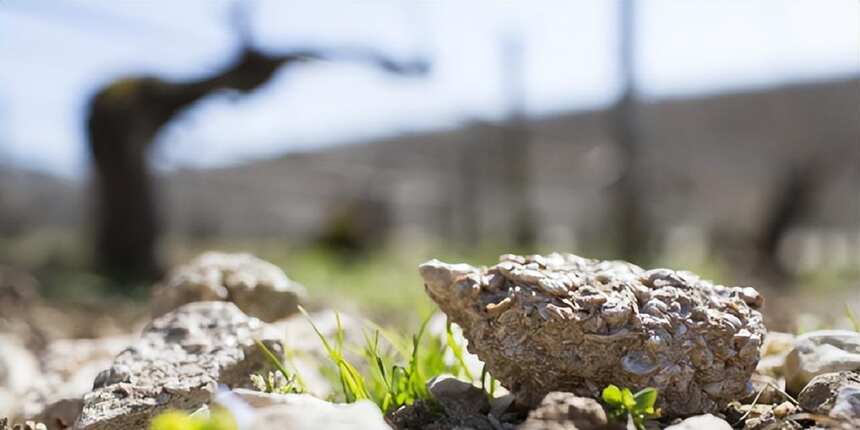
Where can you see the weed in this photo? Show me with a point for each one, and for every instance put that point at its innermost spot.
(394, 384)
(623, 403)
(352, 383)
(397, 367)
(269, 383)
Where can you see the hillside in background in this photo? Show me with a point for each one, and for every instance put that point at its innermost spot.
(712, 166)
(31, 201)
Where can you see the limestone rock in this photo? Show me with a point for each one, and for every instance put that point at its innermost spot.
(784, 409)
(847, 404)
(19, 370)
(834, 394)
(28, 425)
(819, 352)
(305, 412)
(178, 363)
(702, 422)
(566, 323)
(257, 287)
(560, 410)
(457, 405)
(69, 367)
(774, 349)
(768, 388)
(423, 415)
(59, 414)
(458, 398)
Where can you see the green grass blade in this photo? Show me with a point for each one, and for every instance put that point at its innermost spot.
(273, 359)
(289, 356)
(457, 350)
(493, 383)
(322, 338)
(270, 388)
(400, 343)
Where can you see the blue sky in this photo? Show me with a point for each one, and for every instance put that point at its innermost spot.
(56, 53)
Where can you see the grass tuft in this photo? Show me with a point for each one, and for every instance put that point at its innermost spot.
(353, 386)
(396, 368)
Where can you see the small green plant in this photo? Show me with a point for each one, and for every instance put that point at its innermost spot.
(218, 419)
(270, 383)
(396, 384)
(352, 383)
(397, 367)
(623, 403)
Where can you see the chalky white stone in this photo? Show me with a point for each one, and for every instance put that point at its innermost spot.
(259, 288)
(178, 363)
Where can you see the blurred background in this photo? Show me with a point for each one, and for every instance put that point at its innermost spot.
(349, 141)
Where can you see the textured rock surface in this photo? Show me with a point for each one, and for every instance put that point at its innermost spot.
(69, 367)
(178, 363)
(258, 287)
(820, 352)
(305, 412)
(458, 398)
(702, 422)
(457, 404)
(560, 410)
(834, 394)
(424, 416)
(59, 414)
(566, 323)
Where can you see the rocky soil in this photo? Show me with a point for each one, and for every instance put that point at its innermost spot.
(554, 330)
